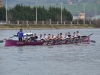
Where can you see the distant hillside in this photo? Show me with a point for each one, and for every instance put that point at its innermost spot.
(92, 6)
(43, 2)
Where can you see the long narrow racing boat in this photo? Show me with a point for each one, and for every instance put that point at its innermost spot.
(84, 40)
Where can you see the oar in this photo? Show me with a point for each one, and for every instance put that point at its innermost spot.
(1, 41)
(12, 36)
(93, 41)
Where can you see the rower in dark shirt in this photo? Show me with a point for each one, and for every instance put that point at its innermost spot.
(78, 34)
(69, 35)
(35, 37)
(32, 38)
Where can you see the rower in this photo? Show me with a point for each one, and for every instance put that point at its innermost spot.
(49, 37)
(61, 36)
(69, 35)
(78, 34)
(74, 37)
(44, 37)
(58, 36)
(66, 36)
(41, 38)
(35, 37)
(53, 37)
(26, 38)
(31, 38)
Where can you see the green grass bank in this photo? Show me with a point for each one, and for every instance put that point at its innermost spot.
(7, 27)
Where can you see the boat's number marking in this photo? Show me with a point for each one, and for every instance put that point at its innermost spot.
(20, 42)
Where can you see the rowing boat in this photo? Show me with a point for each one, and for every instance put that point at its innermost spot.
(9, 42)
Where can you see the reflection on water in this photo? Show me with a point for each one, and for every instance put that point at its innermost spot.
(72, 59)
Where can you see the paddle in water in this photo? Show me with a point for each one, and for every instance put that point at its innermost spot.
(1, 41)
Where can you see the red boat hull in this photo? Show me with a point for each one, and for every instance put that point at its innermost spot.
(17, 43)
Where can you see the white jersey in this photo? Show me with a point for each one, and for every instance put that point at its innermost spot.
(78, 34)
(75, 35)
(53, 37)
(40, 38)
(66, 37)
(44, 37)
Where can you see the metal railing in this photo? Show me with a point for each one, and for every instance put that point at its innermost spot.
(48, 22)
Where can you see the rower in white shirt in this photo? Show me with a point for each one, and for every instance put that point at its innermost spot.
(66, 36)
(40, 38)
(53, 37)
(44, 37)
(74, 35)
(61, 36)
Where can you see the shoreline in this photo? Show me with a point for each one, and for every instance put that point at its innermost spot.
(42, 27)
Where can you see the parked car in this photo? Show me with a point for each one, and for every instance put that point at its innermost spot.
(2, 22)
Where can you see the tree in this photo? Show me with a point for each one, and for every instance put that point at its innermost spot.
(20, 12)
(3, 13)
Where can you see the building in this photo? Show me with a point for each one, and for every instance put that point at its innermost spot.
(95, 17)
(69, 2)
(79, 1)
(0, 3)
(81, 15)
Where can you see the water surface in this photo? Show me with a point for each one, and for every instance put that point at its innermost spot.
(73, 59)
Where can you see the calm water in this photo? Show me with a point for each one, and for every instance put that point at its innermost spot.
(75, 59)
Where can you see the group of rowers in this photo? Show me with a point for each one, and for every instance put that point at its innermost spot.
(44, 37)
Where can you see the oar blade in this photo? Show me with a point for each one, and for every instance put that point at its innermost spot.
(93, 41)
(1, 41)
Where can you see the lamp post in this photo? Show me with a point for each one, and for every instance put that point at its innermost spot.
(61, 13)
(6, 12)
(77, 16)
(56, 3)
(84, 14)
(36, 12)
(95, 10)
(95, 14)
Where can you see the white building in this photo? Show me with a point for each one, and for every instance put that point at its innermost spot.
(81, 15)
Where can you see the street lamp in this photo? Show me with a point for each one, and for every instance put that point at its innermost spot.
(61, 13)
(36, 12)
(77, 15)
(95, 10)
(6, 11)
(84, 14)
(56, 3)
